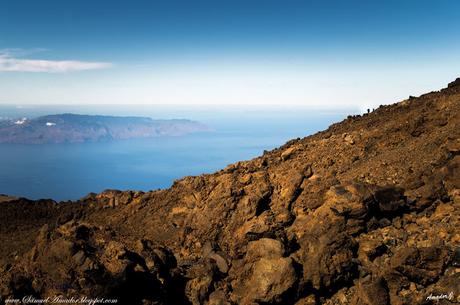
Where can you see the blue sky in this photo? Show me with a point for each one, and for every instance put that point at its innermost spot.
(316, 53)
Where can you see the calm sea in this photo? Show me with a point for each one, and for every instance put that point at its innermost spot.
(70, 171)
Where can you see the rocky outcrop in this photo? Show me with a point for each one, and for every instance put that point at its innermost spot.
(366, 212)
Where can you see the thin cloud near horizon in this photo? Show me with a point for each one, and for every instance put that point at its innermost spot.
(11, 63)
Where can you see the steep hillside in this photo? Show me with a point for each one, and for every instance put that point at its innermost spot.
(366, 212)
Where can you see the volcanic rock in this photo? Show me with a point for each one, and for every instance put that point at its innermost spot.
(366, 212)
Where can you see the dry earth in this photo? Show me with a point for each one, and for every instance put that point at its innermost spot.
(366, 212)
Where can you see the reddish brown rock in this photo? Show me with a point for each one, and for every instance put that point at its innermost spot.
(366, 212)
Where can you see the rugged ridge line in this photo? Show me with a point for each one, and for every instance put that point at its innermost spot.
(365, 212)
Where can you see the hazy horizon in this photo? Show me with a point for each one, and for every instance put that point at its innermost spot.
(320, 54)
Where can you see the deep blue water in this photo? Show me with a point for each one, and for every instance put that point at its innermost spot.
(70, 171)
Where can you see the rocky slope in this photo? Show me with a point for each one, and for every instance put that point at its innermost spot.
(366, 212)
(75, 128)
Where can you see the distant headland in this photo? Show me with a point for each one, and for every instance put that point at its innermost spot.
(75, 128)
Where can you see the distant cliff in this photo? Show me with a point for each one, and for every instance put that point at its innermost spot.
(74, 128)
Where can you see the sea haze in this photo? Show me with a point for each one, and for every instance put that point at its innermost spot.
(70, 171)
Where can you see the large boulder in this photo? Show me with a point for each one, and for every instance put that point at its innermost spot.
(265, 276)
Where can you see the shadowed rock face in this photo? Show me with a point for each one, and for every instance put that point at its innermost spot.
(74, 128)
(366, 212)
